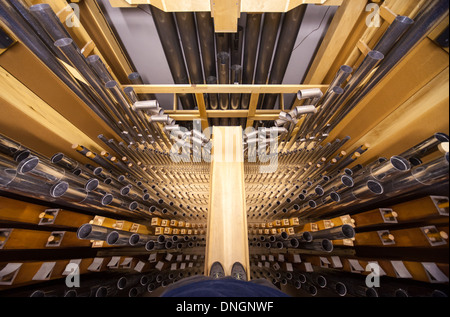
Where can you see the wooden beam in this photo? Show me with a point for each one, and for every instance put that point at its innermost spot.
(225, 14)
(252, 109)
(226, 237)
(202, 110)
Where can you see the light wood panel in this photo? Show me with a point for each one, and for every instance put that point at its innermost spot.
(226, 237)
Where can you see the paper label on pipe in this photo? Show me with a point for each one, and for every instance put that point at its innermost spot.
(97, 244)
(119, 224)
(68, 270)
(169, 257)
(400, 269)
(96, 265)
(152, 258)
(126, 263)
(9, 273)
(139, 266)
(114, 262)
(336, 262)
(324, 262)
(267, 265)
(260, 264)
(435, 275)
(134, 227)
(314, 227)
(98, 220)
(281, 257)
(182, 266)
(173, 266)
(44, 272)
(263, 257)
(328, 224)
(355, 266)
(179, 258)
(289, 267)
(296, 258)
(159, 265)
(188, 257)
(308, 267)
(347, 220)
(271, 258)
(190, 264)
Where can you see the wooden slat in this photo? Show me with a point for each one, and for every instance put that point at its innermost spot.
(252, 108)
(226, 237)
(225, 14)
(202, 110)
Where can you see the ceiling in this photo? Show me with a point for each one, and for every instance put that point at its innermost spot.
(136, 30)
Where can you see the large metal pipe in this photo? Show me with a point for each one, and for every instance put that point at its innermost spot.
(266, 47)
(428, 18)
(428, 146)
(286, 41)
(167, 31)
(336, 233)
(136, 79)
(188, 35)
(253, 26)
(206, 36)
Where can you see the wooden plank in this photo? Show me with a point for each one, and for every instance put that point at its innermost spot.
(225, 14)
(202, 110)
(252, 109)
(226, 237)
(27, 113)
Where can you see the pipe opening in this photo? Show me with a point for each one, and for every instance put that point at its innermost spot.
(312, 290)
(151, 287)
(111, 84)
(294, 243)
(84, 231)
(371, 292)
(134, 239)
(327, 245)
(302, 278)
(347, 181)
(27, 165)
(107, 199)
(112, 238)
(404, 19)
(375, 187)
(307, 236)
(63, 42)
(122, 283)
(348, 231)
(107, 181)
(312, 204)
(124, 190)
(71, 293)
(415, 161)
(284, 235)
(133, 206)
(321, 281)
(441, 137)
(400, 163)
(57, 157)
(101, 292)
(297, 284)
(133, 292)
(91, 184)
(150, 245)
(319, 191)
(161, 239)
(335, 197)
(168, 245)
(77, 172)
(152, 209)
(376, 55)
(438, 293)
(401, 293)
(59, 189)
(341, 289)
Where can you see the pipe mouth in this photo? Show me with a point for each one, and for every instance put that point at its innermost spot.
(107, 181)
(101, 292)
(150, 245)
(91, 184)
(307, 236)
(65, 41)
(438, 293)
(335, 197)
(294, 243)
(284, 235)
(338, 90)
(161, 238)
(327, 245)
(272, 239)
(134, 76)
(168, 245)
(267, 245)
(175, 239)
(112, 238)
(122, 283)
(441, 137)
(346, 69)
(133, 206)
(146, 196)
(302, 278)
(375, 187)
(27, 165)
(151, 287)
(341, 289)
(111, 84)
(77, 172)
(321, 281)
(59, 189)
(297, 285)
(404, 20)
(401, 293)
(348, 231)
(134, 239)
(296, 207)
(371, 292)
(319, 191)
(223, 57)
(164, 211)
(312, 290)
(415, 161)
(347, 181)
(97, 171)
(92, 58)
(128, 90)
(107, 199)
(40, 7)
(348, 171)
(400, 163)
(133, 292)
(152, 209)
(71, 293)
(37, 293)
(312, 204)
(57, 157)
(279, 245)
(124, 190)
(84, 231)
(376, 55)
(144, 280)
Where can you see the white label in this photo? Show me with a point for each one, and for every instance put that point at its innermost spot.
(9, 272)
(297, 258)
(336, 262)
(44, 272)
(139, 266)
(114, 262)
(435, 275)
(126, 263)
(400, 270)
(355, 266)
(324, 262)
(152, 258)
(96, 265)
(308, 267)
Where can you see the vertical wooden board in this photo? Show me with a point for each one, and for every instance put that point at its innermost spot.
(227, 240)
(225, 14)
